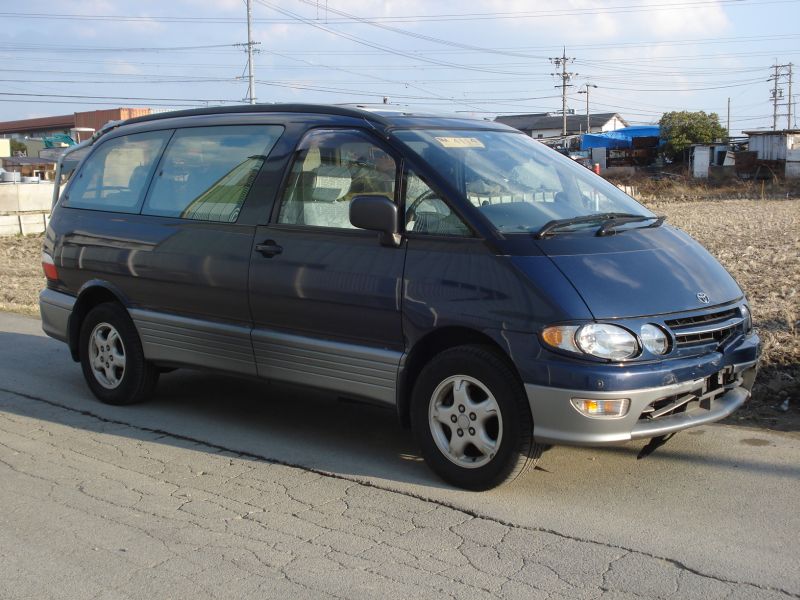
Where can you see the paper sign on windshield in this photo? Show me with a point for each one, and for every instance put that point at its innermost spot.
(460, 142)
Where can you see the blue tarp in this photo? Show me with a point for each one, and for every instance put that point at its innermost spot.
(619, 138)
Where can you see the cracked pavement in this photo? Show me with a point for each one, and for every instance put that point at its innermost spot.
(175, 500)
(108, 510)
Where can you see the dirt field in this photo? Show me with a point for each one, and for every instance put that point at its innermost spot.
(757, 241)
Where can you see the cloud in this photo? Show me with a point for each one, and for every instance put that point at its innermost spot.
(705, 20)
(123, 67)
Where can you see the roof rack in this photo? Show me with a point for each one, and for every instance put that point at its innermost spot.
(326, 109)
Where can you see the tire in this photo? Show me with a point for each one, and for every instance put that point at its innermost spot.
(112, 359)
(496, 444)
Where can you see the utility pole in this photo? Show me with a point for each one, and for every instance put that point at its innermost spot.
(251, 91)
(250, 49)
(781, 72)
(729, 117)
(588, 117)
(562, 61)
(775, 96)
(789, 101)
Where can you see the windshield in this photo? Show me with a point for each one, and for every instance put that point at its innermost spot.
(517, 183)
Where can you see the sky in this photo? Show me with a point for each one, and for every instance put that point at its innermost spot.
(473, 57)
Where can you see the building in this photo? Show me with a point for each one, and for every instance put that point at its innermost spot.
(779, 150)
(80, 124)
(546, 125)
(773, 145)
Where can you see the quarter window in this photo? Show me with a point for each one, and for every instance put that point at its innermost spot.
(115, 176)
(329, 170)
(207, 172)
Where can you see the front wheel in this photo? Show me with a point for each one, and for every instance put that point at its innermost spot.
(471, 418)
(112, 359)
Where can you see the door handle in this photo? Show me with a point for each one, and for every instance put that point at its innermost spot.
(269, 248)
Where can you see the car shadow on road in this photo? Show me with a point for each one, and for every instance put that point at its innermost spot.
(274, 422)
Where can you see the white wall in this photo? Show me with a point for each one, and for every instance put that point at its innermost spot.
(24, 207)
(701, 158)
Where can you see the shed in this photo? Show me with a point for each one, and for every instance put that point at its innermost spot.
(773, 145)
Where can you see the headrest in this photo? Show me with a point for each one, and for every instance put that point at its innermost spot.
(331, 183)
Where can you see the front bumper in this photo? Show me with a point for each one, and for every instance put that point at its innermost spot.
(699, 401)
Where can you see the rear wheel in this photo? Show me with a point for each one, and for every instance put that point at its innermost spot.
(112, 359)
(471, 418)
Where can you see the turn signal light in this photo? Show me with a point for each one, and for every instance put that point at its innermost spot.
(49, 267)
(609, 409)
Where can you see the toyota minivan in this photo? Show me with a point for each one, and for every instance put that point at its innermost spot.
(499, 296)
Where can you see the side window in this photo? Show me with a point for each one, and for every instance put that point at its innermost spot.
(427, 213)
(206, 172)
(329, 169)
(115, 176)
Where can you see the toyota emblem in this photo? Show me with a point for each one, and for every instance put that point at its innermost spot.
(703, 297)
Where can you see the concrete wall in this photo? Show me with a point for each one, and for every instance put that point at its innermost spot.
(24, 208)
(701, 159)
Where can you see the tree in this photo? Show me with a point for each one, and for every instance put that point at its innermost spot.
(681, 129)
(18, 148)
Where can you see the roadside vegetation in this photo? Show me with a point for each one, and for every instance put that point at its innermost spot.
(758, 241)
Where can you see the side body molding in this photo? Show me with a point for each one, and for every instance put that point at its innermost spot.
(173, 339)
(336, 366)
(349, 369)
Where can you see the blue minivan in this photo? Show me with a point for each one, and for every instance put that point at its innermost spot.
(499, 296)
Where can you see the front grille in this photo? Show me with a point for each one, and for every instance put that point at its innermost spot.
(702, 397)
(710, 328)
(696, 339)
(709, 318)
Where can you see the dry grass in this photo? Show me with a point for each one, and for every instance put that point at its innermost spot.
(21, 275)
(680, 187)
(757, 241)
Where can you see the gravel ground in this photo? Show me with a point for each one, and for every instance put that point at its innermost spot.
(757, 241)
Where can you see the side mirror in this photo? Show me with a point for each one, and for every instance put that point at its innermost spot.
(376, 213)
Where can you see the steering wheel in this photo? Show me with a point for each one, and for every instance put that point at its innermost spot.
(411, 211)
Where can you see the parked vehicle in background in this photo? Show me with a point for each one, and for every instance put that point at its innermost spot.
(501, 297)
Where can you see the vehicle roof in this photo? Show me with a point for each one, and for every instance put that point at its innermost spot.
(386, 116)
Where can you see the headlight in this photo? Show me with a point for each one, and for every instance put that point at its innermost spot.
(747, 318)
(654, 339)
(606, 341)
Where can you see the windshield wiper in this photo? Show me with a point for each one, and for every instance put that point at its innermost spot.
(609, 225)
(551, 226)
(608, 222)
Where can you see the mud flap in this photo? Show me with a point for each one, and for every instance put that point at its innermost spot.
(653, 444)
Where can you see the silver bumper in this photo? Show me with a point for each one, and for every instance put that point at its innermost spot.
(557, 421)
(56, 308)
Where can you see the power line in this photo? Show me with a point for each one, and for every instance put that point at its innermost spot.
(620, 8)
(205, 100)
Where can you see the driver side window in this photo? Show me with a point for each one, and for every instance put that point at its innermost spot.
(427, 213)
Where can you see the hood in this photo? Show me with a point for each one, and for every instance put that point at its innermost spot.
(640, 272)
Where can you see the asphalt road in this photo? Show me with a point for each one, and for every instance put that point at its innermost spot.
(223, 487)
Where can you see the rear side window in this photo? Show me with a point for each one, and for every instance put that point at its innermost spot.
(207, 172)
(115, 176)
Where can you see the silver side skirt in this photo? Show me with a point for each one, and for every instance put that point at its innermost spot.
(336, 366)
(199, 343)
